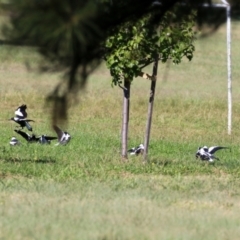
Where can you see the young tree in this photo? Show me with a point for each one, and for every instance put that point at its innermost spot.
(135, 44)
(150, 109)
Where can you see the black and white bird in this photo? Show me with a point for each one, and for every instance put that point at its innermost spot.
(22, 122)
(14, 142)
(63, 137)
(21, 112)
(21, 117)
(136, 150)
(206, 154)
(43, 139)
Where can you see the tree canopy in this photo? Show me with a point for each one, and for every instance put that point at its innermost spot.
(134, 45)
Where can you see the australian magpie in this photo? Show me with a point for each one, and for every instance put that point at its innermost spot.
(43, 139)
(136, 150)
(14, 142)
(63, 137)
(21, 112)
(23, 122)
(206, 154)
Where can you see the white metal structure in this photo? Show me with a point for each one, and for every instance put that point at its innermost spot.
(227, 6)
(228, 9)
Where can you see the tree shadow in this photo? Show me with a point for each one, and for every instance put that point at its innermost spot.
(43, 160)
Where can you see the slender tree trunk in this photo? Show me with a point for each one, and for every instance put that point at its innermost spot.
(125, 117)
(150, 110)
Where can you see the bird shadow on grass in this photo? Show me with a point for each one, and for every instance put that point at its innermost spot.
(43, 160)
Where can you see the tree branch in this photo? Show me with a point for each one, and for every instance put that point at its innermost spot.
(147, 76)
(148, 63)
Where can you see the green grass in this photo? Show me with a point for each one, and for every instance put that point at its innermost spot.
(85, 191)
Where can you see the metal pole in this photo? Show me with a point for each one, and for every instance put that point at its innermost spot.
(227, 6)
(229, 81)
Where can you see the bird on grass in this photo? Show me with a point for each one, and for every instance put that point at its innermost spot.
(206, 154)
(43, 139)
(136, 150)
(63, 137)
(22, 122)
(14, 142)
(21, 112)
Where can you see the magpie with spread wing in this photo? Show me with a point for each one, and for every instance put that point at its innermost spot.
(23, 122)
(206, 154)
(136, 150)
(20, 112)
(63, 137)
(20, 117)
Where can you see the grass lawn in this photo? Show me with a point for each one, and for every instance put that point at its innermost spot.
(84, 190)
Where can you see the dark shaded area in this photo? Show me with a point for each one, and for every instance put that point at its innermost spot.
(209, 19)
(69, 34)
(43, 160)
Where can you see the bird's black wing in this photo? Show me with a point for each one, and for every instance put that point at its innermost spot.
(138, 150)
(213, 149)
(43, 140)
(50, 138)
(18, 121)
(23, 134)
(28, 126)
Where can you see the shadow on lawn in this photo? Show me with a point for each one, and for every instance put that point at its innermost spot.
(161, 162)
(44, 160)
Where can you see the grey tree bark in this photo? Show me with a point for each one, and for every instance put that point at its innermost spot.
(125, 117)
(150, 110)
